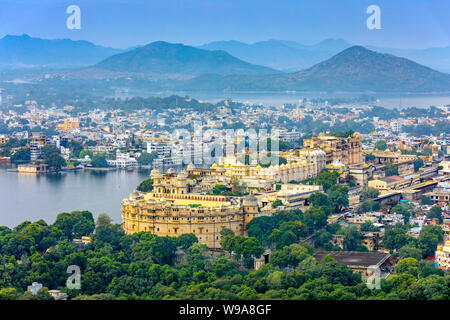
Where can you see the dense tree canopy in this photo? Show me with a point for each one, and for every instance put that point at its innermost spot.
(144, 266)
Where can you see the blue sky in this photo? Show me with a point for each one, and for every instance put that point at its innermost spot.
(124, 23)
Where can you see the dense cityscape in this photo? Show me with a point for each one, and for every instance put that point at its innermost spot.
(215, 159)
(231, 226)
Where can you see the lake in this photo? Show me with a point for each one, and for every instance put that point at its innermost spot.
(386, 100)
(34, 197)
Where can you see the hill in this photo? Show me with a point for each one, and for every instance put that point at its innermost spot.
(354, 69)
(162, 58)
(280, 54)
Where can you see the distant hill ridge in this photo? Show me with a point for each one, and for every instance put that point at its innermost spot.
(166, 58)
(354, 69)
(281, 54)
(26, 51)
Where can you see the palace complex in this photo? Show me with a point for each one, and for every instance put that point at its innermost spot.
(184, 202)
(338, 150)
(174, 207)
(300, 165)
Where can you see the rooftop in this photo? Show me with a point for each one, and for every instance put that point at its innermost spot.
(353, 258)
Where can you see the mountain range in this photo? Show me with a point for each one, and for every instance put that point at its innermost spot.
(28, 52)
(180, 67)
(282, 55)
(354, 69)
(293, 56)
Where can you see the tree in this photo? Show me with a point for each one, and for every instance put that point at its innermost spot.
(408, 266)
(277, 203)
(75, 224)
(186, 240)
(429, 238)
(352, 239)
(55, 161)
(84, 153)
(391, 169)
(47, 150)
(226, 232)
(418, 163)
(314, 218)
(428, 268)
(250, 247)
(75, 146)
(282, 238)
(404, 210)
(426, 200)
(262, 227)
(338, 198)
(381, 145)
(322, 238)
(396, 237)
(145, 186)
(219, 189)
(319, 199)
(435, 213)
(369, 227)
(103, 220)
(369, 193)
(370, 205)
(289, 256)
(146, 158)
(99, 161)
(370, 157)
(42, 294)
(410, 252)
(9, 294)
(21, 155)
(326, 178)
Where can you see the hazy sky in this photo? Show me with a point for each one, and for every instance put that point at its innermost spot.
(124, 23)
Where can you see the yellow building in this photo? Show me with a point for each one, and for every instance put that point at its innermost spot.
(174, 208)
(32, 168)
(443, 256)
(405, 162)
(300, 167)
(69, 124)
(338, 150)
(445, 167)
(292, 196)
(389, 184)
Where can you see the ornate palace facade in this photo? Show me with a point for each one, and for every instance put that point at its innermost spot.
(301, 165)
(174, 208)
(338, 150)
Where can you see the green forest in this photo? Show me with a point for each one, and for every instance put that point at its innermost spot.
(144, 266)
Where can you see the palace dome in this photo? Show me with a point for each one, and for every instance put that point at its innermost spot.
(155, 174)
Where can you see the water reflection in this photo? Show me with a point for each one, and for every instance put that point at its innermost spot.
(33, 197)
(98, 173)
(54, 179)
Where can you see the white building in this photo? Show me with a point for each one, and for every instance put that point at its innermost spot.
(34, 288)
(123, 160)
(160, 149)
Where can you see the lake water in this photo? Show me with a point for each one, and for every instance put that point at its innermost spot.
(386, 100)
(34, 197)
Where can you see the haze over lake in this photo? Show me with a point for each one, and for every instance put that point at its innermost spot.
(390, 101)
